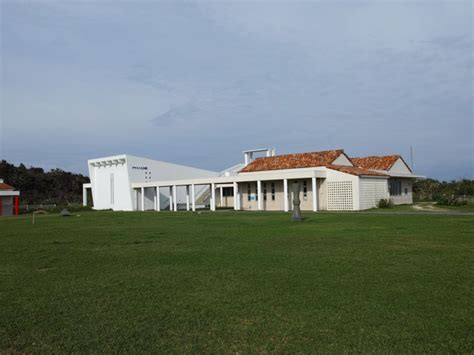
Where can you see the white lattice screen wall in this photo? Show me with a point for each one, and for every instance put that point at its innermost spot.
(340, 195)
(372, 192)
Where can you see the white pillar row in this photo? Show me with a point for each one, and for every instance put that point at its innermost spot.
(143, 199)
(213, 197)
(259, 195)
(221, 196)
(315, 194)
(236, 192)
(157, 198)
(285, 194)
(193, 198)
(84, 196)
(187, 197)
(171, 198)
(175, 199)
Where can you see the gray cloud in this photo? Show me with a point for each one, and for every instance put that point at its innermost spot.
(199, 83)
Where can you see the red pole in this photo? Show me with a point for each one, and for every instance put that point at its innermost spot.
(17, 205)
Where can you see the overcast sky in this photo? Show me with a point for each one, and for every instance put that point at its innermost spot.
(198, 82)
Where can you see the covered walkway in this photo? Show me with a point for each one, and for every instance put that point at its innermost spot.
(235, 182)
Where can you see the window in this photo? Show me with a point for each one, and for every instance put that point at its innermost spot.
(273, 191)
(264, 191)
(305, 190)
(256, 191)
(395, 187)
(248, 192)
(228, 191)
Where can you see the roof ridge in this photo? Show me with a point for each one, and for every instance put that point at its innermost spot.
(378, 156)
(314, 152)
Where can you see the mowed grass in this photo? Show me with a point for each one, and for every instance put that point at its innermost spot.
(237, 282)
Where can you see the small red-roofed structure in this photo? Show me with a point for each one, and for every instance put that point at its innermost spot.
(9, 200)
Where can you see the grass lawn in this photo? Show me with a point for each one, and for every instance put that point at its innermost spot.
(463, 208)
(237, 282)
(425, 207)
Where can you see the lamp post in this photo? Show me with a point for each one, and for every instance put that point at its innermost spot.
(296, 202)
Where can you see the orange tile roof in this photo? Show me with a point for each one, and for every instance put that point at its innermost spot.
(294, 161)
(377, 162)
(4, 186)
(353, 170)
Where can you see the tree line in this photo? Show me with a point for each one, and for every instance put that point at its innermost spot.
(436, 188)
(43, 187)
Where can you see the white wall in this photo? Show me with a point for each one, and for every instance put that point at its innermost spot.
(372, 190)
(342, 160)
(341, 191)
(406, 196)
(101, 187)
(399, 167)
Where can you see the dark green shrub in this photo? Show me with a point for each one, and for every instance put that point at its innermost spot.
(385, 203)
(448, 200)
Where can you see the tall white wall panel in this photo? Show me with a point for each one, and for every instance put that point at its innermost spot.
(372, 191)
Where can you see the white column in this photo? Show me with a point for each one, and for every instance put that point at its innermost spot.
(171, 198)
(285, 194)
(236, 192)
(157, 197)
(187, 197)
(84, 196)
(239, 203)
(175, 200)
(221, 196)
(259, 195)
(213, 197)
(193, 198)
(143, 199)
(136, 200)
(315, 194)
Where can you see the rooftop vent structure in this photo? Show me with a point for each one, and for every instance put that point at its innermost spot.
(248, 154)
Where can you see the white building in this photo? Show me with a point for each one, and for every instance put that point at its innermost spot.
(329, 180)
(112, 179)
